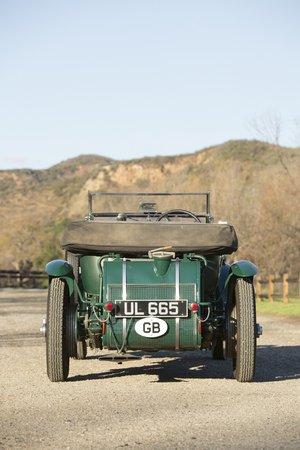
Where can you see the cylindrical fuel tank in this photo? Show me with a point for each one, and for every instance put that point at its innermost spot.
(139, 284)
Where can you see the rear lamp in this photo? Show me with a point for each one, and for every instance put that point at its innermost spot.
(109, 306)
(193, 307)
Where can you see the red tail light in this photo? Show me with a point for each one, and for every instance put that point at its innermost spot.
(193, 307)
(109, 306)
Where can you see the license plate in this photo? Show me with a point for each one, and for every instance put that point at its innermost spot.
(154, 308)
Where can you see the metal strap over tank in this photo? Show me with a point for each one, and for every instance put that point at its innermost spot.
(124, 297)
(177, 297)
(124, 280)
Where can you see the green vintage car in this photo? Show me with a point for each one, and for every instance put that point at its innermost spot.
(146, 274)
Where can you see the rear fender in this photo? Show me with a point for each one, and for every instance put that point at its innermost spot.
(244, 269)
(228, 276)
(61, 269)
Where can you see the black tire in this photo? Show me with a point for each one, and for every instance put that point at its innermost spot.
(218, 351)
(244, 361)
(81, 350)
(56, 343)
(231, 333)
(74, 261)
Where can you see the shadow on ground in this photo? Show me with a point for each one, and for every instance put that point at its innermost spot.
(273, 364)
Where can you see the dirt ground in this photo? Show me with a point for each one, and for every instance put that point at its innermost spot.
(164, 401)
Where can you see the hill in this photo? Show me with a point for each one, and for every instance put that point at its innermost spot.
(254, 186)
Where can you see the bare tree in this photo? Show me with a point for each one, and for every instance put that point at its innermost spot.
(266, 128)
(296, 131)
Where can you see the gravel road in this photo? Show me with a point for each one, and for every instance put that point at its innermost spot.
(164, 401)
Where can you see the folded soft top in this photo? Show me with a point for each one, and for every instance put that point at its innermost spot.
(137, 238)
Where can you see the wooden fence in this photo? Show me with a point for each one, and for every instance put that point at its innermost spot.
(11, 278)
(285, 292)
(32, 278)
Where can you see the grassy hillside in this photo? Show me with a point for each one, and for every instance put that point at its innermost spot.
(66, 170)
(254, 186)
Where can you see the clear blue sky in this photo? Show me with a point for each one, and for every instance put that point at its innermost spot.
(134, 78)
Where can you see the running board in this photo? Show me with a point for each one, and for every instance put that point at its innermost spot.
(123, 357)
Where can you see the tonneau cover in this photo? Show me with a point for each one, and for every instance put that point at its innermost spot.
(137, 238)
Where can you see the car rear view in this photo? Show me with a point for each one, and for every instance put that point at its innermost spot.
(150, 279)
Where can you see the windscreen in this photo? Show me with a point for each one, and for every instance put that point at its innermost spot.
(135, 203)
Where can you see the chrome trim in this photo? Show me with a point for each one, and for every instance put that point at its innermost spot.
(195, 322)
(177, 280)
(177, 297)
(124, 281)
(177, 322)
(109, 334)
(124, 334)
(124, 296)
(259, 330)
(43, 328)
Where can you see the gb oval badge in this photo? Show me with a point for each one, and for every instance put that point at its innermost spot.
(151, 327)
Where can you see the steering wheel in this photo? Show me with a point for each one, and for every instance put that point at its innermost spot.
(176, 211)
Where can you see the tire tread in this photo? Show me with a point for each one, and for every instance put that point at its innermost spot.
(245, 366)
(57, 360)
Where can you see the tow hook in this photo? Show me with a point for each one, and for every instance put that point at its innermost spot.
(259, 330)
